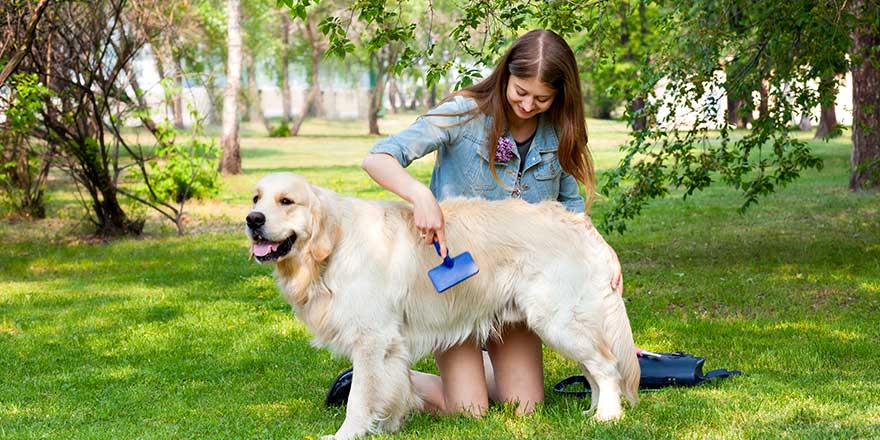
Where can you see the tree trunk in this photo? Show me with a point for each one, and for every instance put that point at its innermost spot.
(230, 161)
(313, 98)
(400, 96)
(286, 100)
(159, 65)
(805, 124)
(736, 114)
(637, 103)
(168, 68)
(745, 115)
(732, 108)
(113, 220)
(255, 104)
(866, 98)
(432, 96)
(383, 58)
(763, 105)
(317, 55)
(177, 105)
(828, 116)
(213, 97)
(827, 123)
(416, 97)
(377, 91)
(392, 96)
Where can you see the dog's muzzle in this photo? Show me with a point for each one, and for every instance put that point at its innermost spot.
(266, 250)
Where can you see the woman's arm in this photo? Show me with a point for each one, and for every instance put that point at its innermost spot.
(388, 158)
(388, 173)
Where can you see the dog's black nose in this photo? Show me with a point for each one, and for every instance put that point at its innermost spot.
(255, 219)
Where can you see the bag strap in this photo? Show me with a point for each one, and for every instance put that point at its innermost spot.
(720, 373)
(560, 386)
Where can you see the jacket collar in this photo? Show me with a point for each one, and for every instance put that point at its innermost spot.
(545, 140)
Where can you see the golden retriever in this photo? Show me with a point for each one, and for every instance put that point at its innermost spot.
(356, 275)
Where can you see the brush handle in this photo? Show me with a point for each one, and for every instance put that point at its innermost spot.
(448, 262)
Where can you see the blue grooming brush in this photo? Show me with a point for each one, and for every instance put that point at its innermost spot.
(453, 270)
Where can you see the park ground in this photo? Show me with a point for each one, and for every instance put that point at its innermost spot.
(184, 337)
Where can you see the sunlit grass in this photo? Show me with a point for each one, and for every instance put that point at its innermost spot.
(166, 337)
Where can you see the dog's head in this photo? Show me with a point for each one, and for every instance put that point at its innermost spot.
(289, 217)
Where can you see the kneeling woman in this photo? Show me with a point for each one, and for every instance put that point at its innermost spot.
(518, 133)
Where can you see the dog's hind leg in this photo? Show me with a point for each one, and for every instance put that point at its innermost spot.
(585, 345)
(606, 382)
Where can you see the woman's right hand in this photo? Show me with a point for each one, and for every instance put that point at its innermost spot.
(429, 219)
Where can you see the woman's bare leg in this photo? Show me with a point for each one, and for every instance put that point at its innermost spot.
(463, 384)
(512, 371)
(518, 368)
(430, 388)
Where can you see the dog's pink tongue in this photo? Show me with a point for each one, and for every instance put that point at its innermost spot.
(263, 248)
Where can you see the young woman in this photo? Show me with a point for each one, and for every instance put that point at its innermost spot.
(518, 133)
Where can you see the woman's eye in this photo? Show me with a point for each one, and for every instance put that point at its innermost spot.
(520, 93)
(256, 198)
(286, 201)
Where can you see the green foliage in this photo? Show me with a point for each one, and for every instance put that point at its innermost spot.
(24, 162)
(27, 101)
(777, 47)
(669, 54)
(282, 130)
(180, 171)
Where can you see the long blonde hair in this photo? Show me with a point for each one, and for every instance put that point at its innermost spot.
(544, 55)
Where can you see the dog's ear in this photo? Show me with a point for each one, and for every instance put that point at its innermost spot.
(324, 226)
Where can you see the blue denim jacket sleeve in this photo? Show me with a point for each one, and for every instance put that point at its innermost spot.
(427, 133)
(569, 194)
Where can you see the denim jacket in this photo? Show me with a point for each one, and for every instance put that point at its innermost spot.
(462, 165)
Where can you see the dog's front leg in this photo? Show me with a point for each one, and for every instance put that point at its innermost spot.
(381, 391)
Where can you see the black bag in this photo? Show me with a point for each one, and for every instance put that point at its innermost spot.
(659, 370)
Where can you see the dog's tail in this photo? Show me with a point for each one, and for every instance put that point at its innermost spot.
(622, 346)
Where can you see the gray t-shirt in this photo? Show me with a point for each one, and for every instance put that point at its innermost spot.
(523, 148)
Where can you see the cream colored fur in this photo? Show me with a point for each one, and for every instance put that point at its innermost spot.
(357, 277)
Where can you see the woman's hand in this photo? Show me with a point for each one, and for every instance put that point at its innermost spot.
(617, 278)
(429, 219)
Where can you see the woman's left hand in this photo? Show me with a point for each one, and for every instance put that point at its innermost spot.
(617, 278)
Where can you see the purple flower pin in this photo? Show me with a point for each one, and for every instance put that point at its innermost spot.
(505, 150)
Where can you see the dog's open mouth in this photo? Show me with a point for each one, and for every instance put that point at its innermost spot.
(266, 251)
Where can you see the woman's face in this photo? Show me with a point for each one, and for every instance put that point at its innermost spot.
(529, 97)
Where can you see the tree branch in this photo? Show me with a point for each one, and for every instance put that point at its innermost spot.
(29, 40)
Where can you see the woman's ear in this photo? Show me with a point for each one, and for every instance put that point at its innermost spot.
(324, 227)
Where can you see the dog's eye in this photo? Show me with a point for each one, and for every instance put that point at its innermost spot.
(285, 201)
(256, 198)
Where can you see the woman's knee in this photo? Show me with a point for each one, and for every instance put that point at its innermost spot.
(464, 382)
(517, 363)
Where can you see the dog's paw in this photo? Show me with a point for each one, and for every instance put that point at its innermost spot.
(608, 415)
(329, 437)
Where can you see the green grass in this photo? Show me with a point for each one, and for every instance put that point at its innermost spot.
(166, 337)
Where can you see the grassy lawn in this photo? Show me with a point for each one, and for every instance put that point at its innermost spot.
(166, 337)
